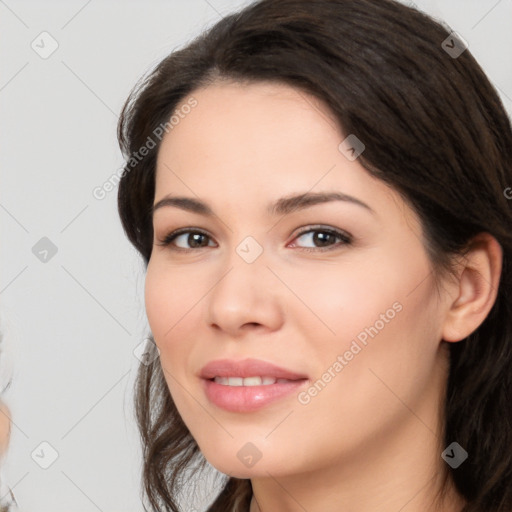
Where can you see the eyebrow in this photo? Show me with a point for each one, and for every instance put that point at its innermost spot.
(282, 206)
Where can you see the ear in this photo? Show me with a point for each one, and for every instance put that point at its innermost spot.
(476, 288)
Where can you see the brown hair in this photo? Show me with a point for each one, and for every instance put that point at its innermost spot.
(434, 129)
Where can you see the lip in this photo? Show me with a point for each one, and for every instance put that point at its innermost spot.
(247, 368)
(248, 398)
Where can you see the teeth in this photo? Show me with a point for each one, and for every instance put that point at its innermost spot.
(248, 381)
(251, 381)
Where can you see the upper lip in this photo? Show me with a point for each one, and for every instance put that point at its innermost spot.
(247, 368)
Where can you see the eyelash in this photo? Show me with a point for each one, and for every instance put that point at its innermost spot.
(345, 237)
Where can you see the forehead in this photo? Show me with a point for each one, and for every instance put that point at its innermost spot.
(261, 128)
(252, 113)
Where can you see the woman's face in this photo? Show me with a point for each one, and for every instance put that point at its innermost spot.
(359, 320)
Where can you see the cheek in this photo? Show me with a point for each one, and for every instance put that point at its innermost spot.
(337, 302)
(363, 395)
(387, 339)
(167, 302)
(169, 297)
(173, 307)
(158, 302)
(377, 315)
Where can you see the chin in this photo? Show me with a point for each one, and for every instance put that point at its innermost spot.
(239, 465)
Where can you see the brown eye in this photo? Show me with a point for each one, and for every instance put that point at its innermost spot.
(325, 238)
(194, 238)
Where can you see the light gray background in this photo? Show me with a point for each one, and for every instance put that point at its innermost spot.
(71, 324)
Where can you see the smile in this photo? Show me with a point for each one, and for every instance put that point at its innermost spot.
(248, 381)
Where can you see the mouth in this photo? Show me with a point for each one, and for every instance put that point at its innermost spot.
(249, 381)
(248, 385)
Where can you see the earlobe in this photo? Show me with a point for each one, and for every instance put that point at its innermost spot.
(477, 288)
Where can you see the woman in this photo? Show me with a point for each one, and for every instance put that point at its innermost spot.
(317, 191)
(7, 500)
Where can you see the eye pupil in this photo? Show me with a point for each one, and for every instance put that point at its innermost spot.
(323, 237)
(192, 239)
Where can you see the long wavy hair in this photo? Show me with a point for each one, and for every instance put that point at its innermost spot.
(435, 130)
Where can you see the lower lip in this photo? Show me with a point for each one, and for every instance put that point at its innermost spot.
(248, 398)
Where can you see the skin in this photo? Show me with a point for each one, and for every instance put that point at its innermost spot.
(5, 428)
(371, 438)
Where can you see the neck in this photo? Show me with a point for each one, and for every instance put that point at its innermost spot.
(399, 471)
(451, 503)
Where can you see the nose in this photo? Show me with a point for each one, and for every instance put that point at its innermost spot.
(247, 297)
